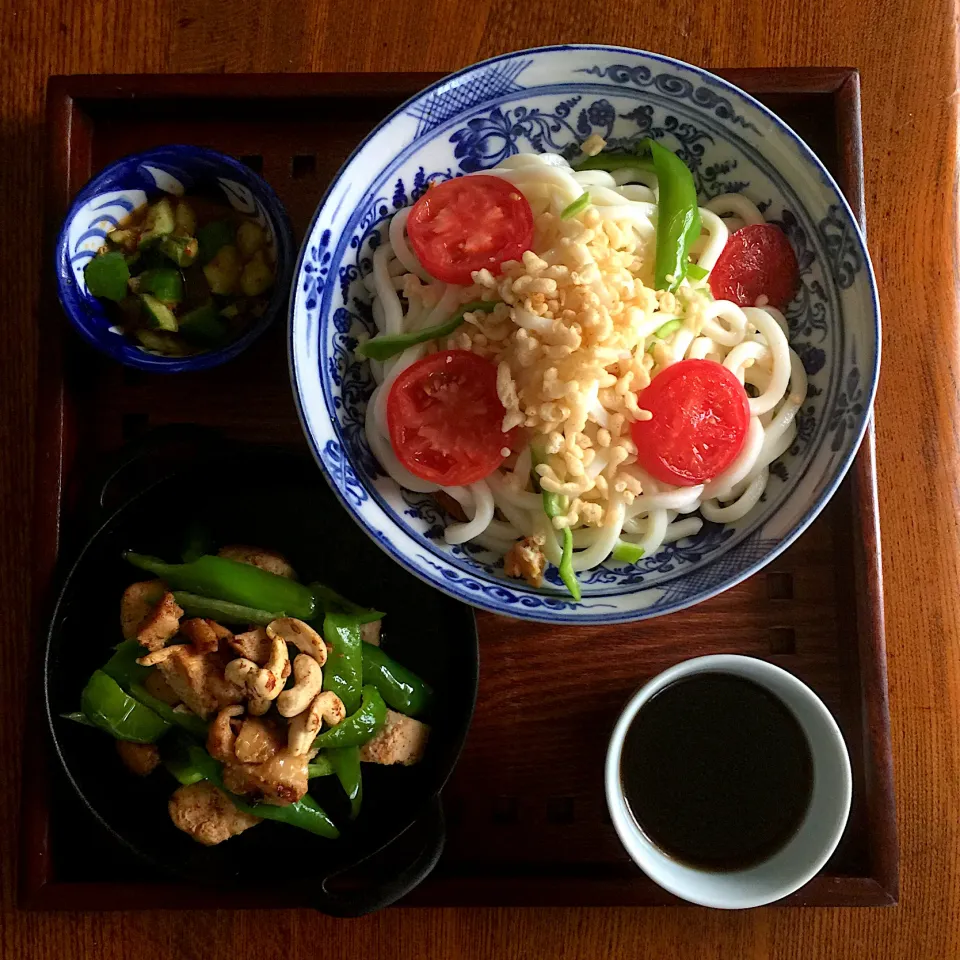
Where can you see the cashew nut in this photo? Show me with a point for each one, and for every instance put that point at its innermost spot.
(245, 674)
(301, 635)
(326, 707)
(261, 684)
(158, 656)
(309, 679)
(220, 736)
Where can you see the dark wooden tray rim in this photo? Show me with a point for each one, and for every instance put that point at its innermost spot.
(73, 106)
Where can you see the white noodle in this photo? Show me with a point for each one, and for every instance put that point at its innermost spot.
(752, 342)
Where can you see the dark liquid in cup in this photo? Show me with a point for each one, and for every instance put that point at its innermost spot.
(717, 772)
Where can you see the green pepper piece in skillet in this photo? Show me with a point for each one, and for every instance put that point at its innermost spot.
(106, 706)
(343, 671)
(329, 601)
(123, 668)
(191, 763)
(346, 765)
(222, 610)
(222, 579)
(400, 688)
(358, 728)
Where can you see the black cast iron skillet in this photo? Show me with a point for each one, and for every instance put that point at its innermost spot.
(275, 499)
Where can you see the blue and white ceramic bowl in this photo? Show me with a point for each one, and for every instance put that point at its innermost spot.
(141, 178)
(549, 99)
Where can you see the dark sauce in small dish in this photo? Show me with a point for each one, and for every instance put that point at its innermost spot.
(717, 772)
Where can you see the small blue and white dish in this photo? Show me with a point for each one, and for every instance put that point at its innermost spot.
(546, 100)
(140, 178)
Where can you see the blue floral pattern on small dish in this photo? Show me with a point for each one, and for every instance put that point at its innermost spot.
(550, 100)
(127, 184)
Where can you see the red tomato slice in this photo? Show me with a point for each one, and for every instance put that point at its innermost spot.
(469, 223)
(444, 418)
(757, 261)
(700, 420)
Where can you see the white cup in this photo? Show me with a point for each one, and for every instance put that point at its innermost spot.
(819, 833)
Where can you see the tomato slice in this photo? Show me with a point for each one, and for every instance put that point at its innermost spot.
(469, 223)
(757, 261)
(444, 418)
(699, 424)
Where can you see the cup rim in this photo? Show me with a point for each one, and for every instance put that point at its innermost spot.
(756, 670)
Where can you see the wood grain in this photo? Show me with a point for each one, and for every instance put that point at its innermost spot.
(907, 59)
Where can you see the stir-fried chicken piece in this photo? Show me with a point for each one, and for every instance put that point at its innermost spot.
(205, 635)
(525, 560)
(138, 602)
(280, 779)
(268, 560)
(253, 645)
(149, 614)
(400, 740)
(207, 815)
(198, 680)
(139, 758)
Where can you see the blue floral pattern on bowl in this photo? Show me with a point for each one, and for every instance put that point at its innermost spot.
(140, 178)
(549, 100)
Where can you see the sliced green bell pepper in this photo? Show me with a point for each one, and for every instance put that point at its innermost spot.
(222, 610)
(555, 505)
(320, 766)
(382, 348)
(624, 552)
(577, 206)
(224, 579)
(678, 217)
(329, 601)
(400, 688)
(343, 672)
(358, 728)
(130, 677)
(346, 765)
(305, 814)
(106, 706)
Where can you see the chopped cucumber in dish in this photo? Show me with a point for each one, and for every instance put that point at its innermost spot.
(181, 276)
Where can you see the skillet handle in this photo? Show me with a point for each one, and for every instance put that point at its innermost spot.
(363, 900)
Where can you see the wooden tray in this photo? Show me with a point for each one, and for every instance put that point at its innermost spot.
(528, 821)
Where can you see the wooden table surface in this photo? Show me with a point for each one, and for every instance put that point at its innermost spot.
(907, 58)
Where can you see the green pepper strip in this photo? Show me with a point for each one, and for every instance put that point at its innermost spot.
(106, 706)
(130, 677)
(696, 272)
(306, 813)
(670, 327)
(343, 673)
(346, 764)
(221, 610)
(678, 217)
(577, 206)
(224, 579)
(617, 161)
(123, 667)
(357, 729)
(567, 574)
(382, 348)
(329, 601)
(319, 767)
(625, 552)
(77, 717)
(400, 688)
(555, 505)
